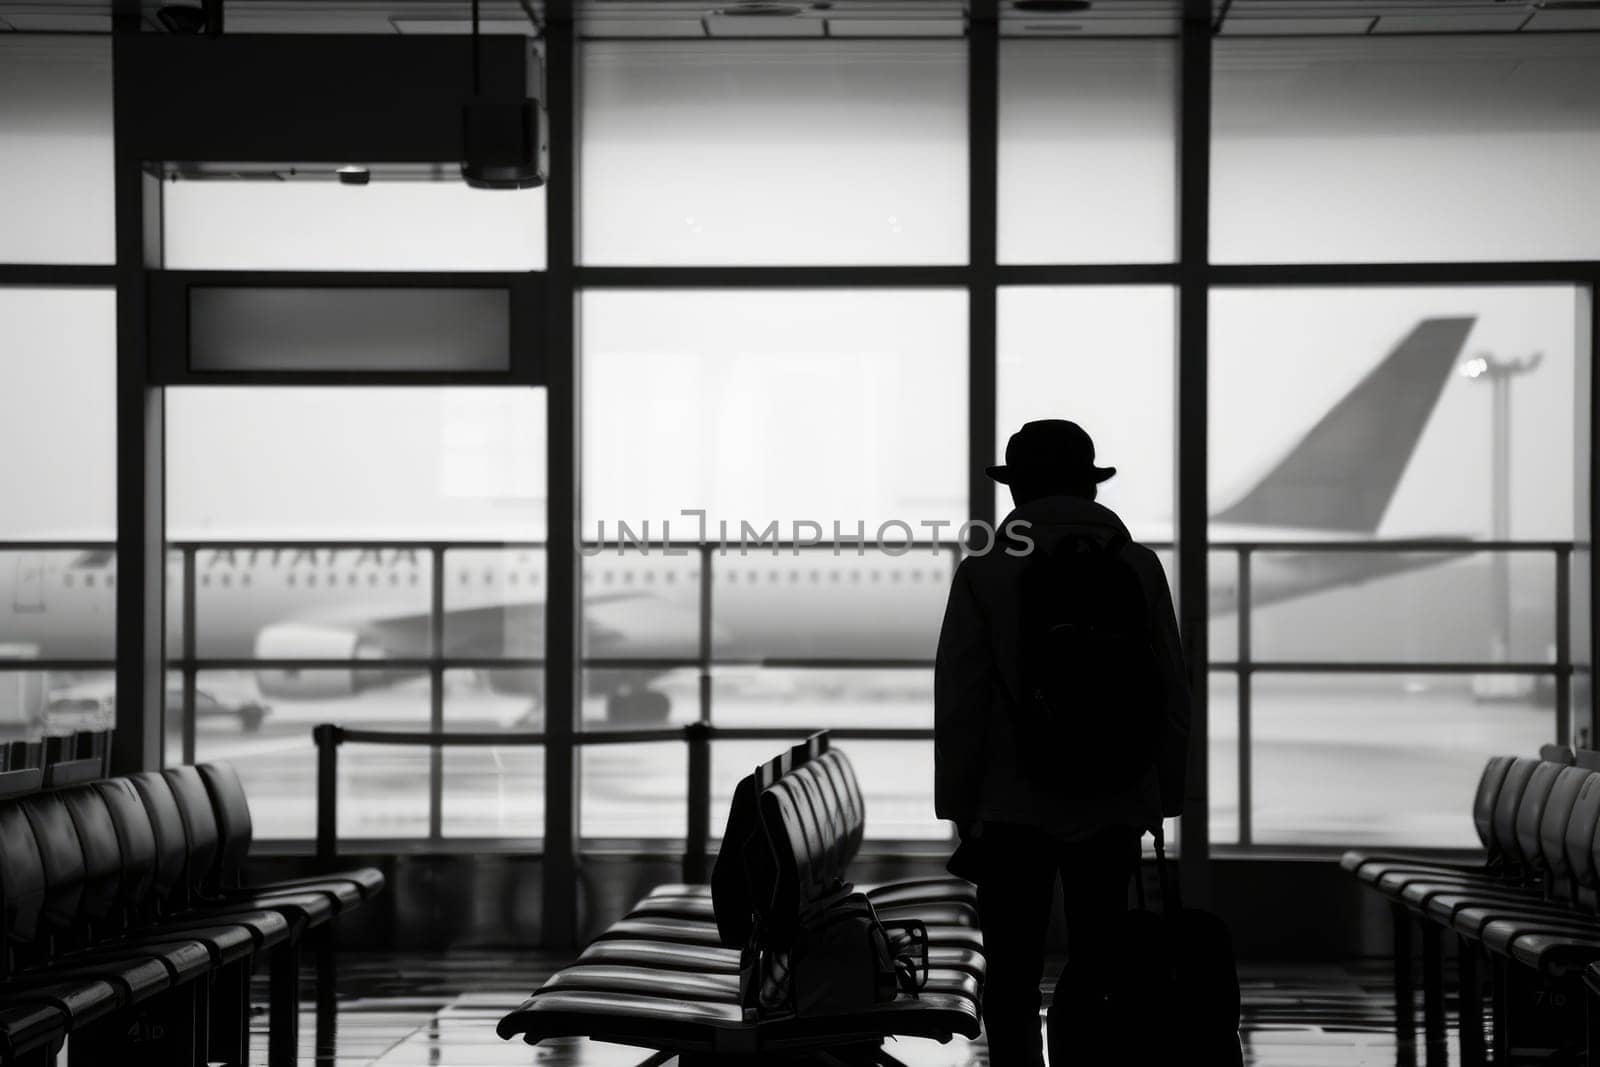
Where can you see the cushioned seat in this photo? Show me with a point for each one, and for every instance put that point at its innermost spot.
(219, 847)
(678, 985)
(668, 976)
(231, 809)
(1556, 954)
(663, 954)
(80, 1001)
(678, 931)
(1501, 935)
(688, 1025)
(26, 1027)
(1369, 866)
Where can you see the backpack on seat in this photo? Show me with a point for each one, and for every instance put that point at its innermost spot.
(843, 958)
(1090, 709)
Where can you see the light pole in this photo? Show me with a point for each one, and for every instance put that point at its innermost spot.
(1499, 374)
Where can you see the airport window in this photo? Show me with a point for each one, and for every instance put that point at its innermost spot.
(319, 223)
(1404, 148)
(778, 153)
(1104, 357)
(769, 407)
(55, 141)
(400, 470)
(1088, 151)
(1429, 418)
(57, 425)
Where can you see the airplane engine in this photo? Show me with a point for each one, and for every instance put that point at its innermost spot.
(310, 641)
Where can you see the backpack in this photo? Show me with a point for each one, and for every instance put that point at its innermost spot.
(1091, 706)
(843, 958)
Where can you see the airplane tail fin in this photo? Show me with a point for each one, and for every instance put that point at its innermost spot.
(1343, 473)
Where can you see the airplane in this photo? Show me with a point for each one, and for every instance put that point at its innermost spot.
(769, 606)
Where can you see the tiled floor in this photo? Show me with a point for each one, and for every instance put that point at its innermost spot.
(406, 1011)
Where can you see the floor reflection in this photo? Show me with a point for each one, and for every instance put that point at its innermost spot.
(407, 1010)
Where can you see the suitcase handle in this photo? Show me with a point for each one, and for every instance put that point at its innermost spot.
(1171, 881)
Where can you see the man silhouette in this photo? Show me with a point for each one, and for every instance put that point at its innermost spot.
(1021, 806)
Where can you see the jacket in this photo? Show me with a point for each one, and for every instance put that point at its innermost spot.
(977, 773)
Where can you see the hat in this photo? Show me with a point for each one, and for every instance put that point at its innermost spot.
(1049, 450)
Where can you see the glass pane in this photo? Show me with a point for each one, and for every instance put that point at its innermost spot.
(635, 791)
(494, 606)
(311, 602)
(58, 604)
(638, 698)
(1373, 412)
(494, 792)
(55, 150)
(359, 462)
(818, 604)
(817, 698)
(383, 790)
(774, 406)
(347, 328)
(1103, 357)
(74, 701)
(58, 375)
(763, 152)
(1439, 605)
(1379, 761)
(1222, 751)
(325, 225)
(1428, 147)
(1223, 577)
(640, 602)
(1088, 151)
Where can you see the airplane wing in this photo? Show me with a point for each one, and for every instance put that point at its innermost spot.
(1343, 472)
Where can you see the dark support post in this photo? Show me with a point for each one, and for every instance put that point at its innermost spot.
(140, 633)
(563, 608)
(326, 738)
(983, 150)
(436, 695)
(698, 736)
(1473, 1051)
(1564, 645)
(1405, 1023)
(1433, 1028)
(1246, 684)
(1193, 593)
(190, 561)
(283, 1012)
(1590, 512)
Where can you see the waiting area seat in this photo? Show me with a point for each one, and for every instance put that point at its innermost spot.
(681, 972)
(127, 925)
(1525, 919)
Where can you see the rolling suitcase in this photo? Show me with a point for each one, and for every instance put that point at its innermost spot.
(1173, 991)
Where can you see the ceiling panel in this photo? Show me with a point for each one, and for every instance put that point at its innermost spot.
(846, 18)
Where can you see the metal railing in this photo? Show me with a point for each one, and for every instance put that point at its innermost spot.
(698, 735)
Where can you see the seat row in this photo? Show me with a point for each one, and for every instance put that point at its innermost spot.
(681, 972)
(129, 933)
(1525, 919)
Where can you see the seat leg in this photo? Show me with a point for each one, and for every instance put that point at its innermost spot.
(1405, 1023)
(1501, 997)
(283, 1025)
(326, 949)
(230, 1015)
(1473, 1052)
(1433, 1019)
